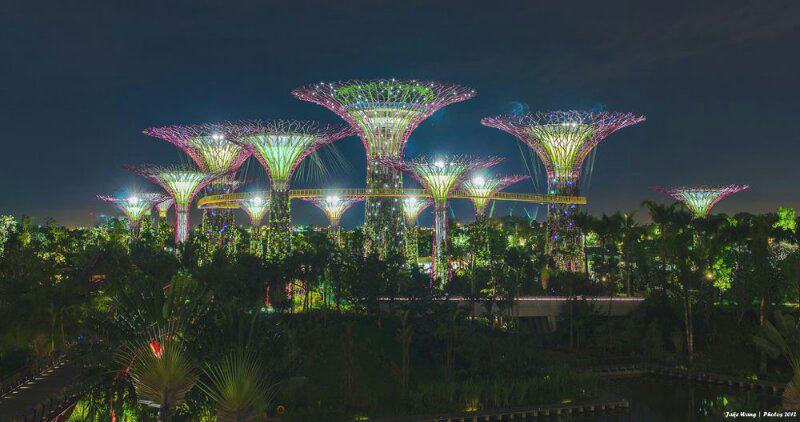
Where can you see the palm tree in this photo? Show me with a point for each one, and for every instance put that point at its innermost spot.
(239, 386)
(661, 216)
(631, 233)
(783, 339)
(161, 371)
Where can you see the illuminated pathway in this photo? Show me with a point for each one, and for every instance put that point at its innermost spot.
(38, 390)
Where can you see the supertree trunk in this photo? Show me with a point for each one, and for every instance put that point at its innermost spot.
(564, 239)
(164, 230)
(335, 233)
(384, 215)
(279, 242)
(218, 225)
(412, 250)
(134, 227)
(257, 241)
(481, 241)
(181, 223)
(439, 256)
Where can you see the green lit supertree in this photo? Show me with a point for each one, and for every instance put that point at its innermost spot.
(209, 146)
(334, 207)
(439, 176)
(163, 230)
(481, 187)
(182, 184)
(280, 146)
(256, 207)
(384, 113)
(700, 199)
(134, 207)
(412, 207)
(563, 140)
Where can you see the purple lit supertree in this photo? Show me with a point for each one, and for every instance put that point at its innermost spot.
(334, 207)
(700, 199)
(182, 184)
(384, 112)
(255, 208)
(439, 176)
(210, 147)
(134, 207)
(562, 140)
(280, 146)
(412, 207)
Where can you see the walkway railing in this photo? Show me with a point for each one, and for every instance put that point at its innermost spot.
(231, 200)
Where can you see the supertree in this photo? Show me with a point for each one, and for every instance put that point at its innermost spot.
(255, 208)
(562, 140)
(210, 147)
(384, 113)
(280, 146)
(334, 208)
(700, 199)
(412, 207)
(182, 184)
(162, 226)
(134, 207)
(439, 176)
(481, 187)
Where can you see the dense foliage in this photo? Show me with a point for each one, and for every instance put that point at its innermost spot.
(334, 331)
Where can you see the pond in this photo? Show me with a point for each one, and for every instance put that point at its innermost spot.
(659, 399)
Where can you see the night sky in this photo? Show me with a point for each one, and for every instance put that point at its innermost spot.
(719, 83)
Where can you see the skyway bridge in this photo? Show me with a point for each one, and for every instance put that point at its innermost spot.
(232, 200)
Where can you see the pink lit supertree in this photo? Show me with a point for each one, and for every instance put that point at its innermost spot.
(439, 176)
(334, 207)
(134, 207)
(280, 146)
(209, 146)
(700, 199)
(182, 184)
(562, 140)
(384, 112)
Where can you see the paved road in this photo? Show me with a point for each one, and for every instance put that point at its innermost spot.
(39, 389)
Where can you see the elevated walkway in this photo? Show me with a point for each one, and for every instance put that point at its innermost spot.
(231, 200)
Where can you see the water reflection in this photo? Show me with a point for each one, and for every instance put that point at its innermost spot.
(657, 399)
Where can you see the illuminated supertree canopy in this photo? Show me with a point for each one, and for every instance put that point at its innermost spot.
(384, 112)
(164, 206)
(208, 145)
(134, 206)
(700, 199)
(280, 146)
(481, 187)
(413, 206)
(562, 140)
(255, 208)
(182, 184)
(438, 176)
(334, 208)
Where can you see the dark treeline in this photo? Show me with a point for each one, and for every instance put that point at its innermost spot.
(331, 332)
